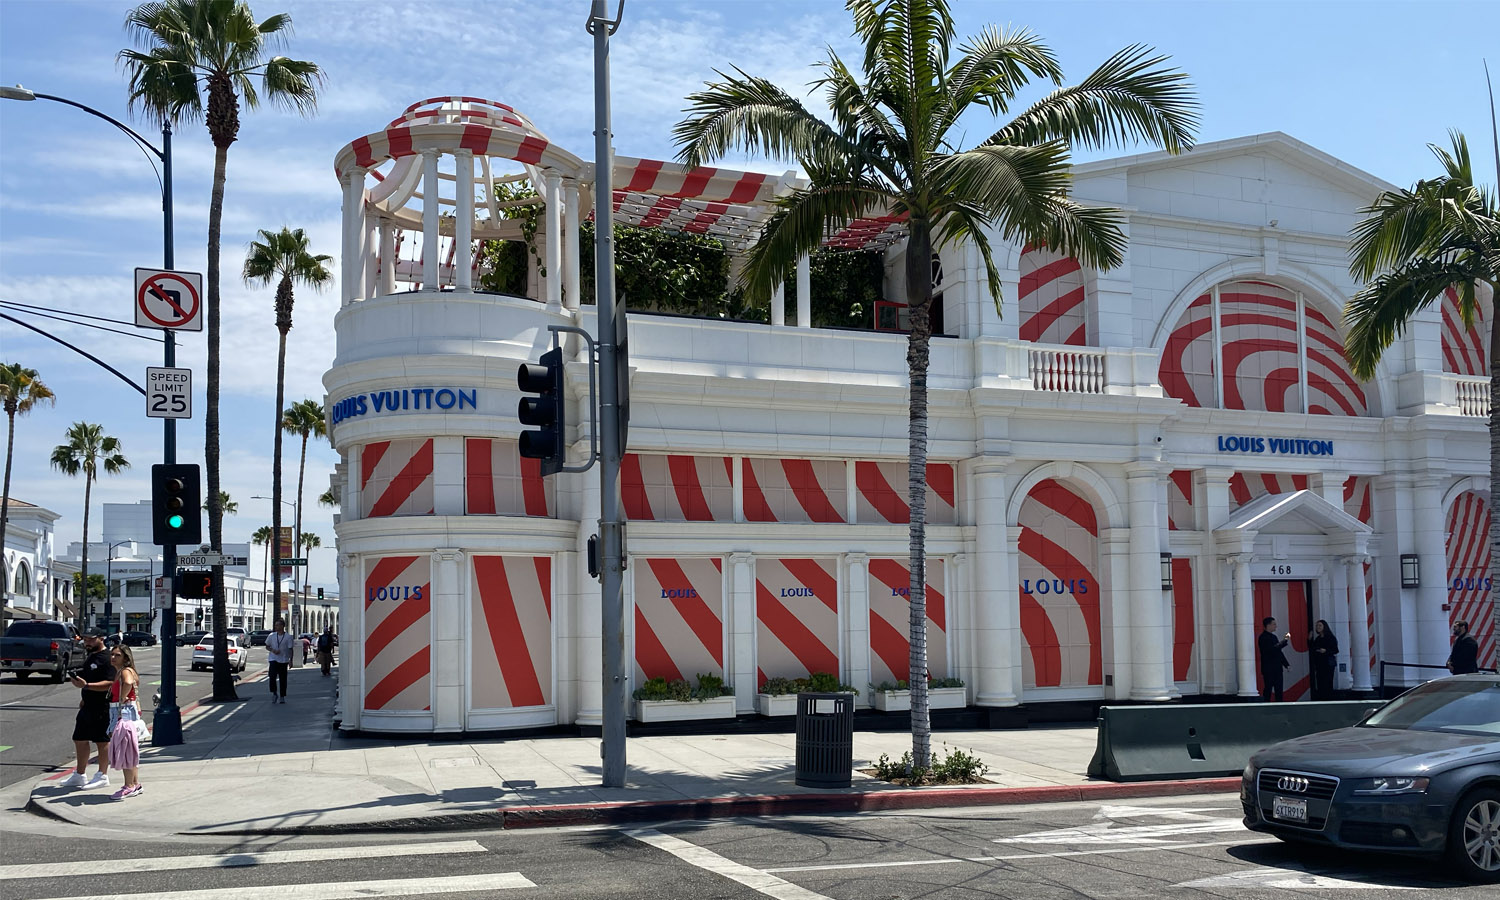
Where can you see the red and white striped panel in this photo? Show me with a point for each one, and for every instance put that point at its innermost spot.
(1258, 323)
(796, 618)
(1288, 602)
(890, 620)
(883, 492)
(660, 488)
(1184, 621)
(1464, 346)
(869, 233)
(1187, 362)
(679, 618)
(666, 179)
(511, 604)
(395, 478)
(1247, 486)
(1469, 572)
(1060, 590)
(499, 481)
(1180, 501)
(1332, 389)
(1052, 298)
(398, 633)
(794, 490)
(409, 139)
(1360, 503)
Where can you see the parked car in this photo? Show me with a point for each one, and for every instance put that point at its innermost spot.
(140, 639)
(1420, 775)
(203, 654)
(188, 638)
(242, 634)
(258, 637)
(33, 646)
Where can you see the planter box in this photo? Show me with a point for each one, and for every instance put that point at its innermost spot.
(937, 698)
(776, 704)
(684, 710)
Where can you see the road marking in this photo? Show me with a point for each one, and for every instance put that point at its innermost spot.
(1012, 856)
(349, 890)
(1289, 878)
(179, 683)
(1190, 820)
(4, 747)
(234, 860)
(756, 879)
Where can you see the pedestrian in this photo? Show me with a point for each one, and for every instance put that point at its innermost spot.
(1273, 663)
(1324, 648)
(279, 644)
(1463, 659)
(326, 643)
(92, 724)
(125, 733)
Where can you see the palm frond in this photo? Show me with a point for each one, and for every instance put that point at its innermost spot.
(800, 224)
(1378, 313)
(293, 83)
(1402, 225)
(994, 65)
(965, 221)
(854, 111)
(752, 114)
(1131, 97)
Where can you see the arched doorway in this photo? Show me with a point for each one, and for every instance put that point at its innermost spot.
(1469, 571)
(1061, 594)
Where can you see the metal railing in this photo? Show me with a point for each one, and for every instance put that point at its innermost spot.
(1394, 664)
(1078, 371)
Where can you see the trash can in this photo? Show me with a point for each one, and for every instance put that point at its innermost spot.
(825, 740)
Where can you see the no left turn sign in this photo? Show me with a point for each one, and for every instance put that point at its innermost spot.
(168, 299)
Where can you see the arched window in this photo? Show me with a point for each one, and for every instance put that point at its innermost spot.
(1275, 352)
(22, 583)
(1051, 298)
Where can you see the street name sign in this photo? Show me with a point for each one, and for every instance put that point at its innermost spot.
(290, 561)
(168, 299)
(190, 560)
(169, 393)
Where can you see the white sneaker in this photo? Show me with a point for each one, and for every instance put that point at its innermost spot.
(99, 780)
(77, 779)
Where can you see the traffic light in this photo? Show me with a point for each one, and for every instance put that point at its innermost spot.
(197, 584)
(547, 411)
(176, 505)
(320, 593)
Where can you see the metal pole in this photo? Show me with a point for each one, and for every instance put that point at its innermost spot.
(611, 528)
(166, 725)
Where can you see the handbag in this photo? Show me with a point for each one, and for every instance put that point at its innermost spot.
(128, 712)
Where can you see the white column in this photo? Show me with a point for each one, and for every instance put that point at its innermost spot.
(431, 278)
(1244, 625)
(778, 304)
(387, 258)
(742, 629)
(448, 497)
(1432, 622)
(553, 212)
(737, 490)
(804, 292)
(1338, 608)
(463, 222)
(571, 298)
(993, 589)
(354, 201)
(857, 589)
(449, 630)
(351, 642)
(1216, 656)
(1359, 624)
(1149, 633)
(369, 249)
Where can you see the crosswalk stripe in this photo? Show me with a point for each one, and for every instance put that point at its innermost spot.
(348, 890)
(234, 860)
(756, 879)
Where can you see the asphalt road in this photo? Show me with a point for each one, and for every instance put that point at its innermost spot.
(1173, 847)
(36, 716)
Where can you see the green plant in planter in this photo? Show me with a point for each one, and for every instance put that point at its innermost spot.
(887, 686)
(946, 683)
(711, 686)
(826, 683)
(780, 686)
(661, 689)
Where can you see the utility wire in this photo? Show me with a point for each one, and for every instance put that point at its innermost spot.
(32, 312)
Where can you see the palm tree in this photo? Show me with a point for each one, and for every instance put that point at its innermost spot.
(1414, 246)
(893, 148)
(327, 498)
(20, 391)
(189, 49)
(229, 506)
(88, 448)
(283, 256)
(304, 418)
(261, 538)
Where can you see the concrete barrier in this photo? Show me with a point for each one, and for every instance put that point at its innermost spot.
(1152, 742)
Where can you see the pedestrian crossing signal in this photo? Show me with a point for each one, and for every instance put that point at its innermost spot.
(197, 584)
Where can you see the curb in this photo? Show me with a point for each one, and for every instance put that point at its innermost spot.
(603, 814)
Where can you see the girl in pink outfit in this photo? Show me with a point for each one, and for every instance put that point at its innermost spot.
(124, 743)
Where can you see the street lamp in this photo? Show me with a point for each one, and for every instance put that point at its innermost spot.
(276, 537)
(167, 723)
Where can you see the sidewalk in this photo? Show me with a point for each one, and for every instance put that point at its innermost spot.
(258, 767)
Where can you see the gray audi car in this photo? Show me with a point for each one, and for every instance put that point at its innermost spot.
(1420, 775)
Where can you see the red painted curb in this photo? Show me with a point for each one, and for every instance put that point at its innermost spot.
(866, 801)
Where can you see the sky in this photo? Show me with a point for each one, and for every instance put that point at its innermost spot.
(1369, 82)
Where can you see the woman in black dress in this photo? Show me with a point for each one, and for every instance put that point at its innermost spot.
(1323, 648)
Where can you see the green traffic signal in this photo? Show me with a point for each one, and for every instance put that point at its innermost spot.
(175, 521)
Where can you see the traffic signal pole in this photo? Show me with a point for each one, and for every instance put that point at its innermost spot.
(166, 724)
(611, 526)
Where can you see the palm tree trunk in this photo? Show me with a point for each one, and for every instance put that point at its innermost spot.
(10, 446)
(919, 298)
(223, 680)
(1494, 472)
(301, 469)
(83, 568)
(276, 471)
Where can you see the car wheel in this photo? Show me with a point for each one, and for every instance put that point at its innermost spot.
(1474, 836)
(23, 676)
(58, 675)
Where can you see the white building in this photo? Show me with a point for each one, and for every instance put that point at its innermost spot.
(34, 585)
(1128, 470)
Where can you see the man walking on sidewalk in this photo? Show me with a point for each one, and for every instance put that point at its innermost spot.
(279, 647)
(92, 726)
(326, 642)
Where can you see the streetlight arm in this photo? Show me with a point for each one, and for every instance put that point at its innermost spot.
(145, 144)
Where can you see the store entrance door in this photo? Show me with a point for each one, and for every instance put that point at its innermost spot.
(1291, 602)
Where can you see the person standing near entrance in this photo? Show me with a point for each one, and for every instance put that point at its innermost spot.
(1324, 649)
(92, 725)
(326, 642)
(279, 647)
(1273, 663)
(1463, 659)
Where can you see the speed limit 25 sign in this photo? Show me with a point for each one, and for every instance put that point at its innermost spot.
(169, 393)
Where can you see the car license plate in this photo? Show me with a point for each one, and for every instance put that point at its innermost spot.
(1289, 809)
